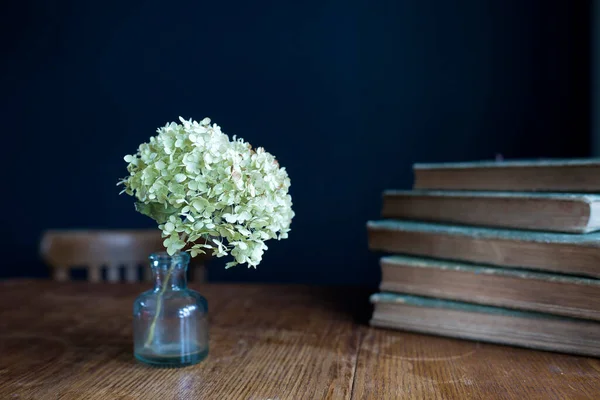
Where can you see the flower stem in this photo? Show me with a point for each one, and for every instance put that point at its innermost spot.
(159, 302)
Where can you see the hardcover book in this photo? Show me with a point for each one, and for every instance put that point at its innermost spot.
(573, 175)
(490, 324)
(558, 212)
(503, 287)
(557, 252)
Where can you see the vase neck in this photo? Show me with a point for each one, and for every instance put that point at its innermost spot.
(169, 272)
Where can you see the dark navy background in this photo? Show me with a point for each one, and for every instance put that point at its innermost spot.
(346, 93)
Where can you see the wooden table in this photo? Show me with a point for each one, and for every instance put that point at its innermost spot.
(73, 341)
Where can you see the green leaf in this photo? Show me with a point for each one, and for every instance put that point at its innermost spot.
(156, 211)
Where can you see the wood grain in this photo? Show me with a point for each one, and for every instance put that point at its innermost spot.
(398, 365)
(72, 340)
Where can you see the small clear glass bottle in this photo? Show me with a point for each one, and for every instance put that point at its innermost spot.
(170, 322)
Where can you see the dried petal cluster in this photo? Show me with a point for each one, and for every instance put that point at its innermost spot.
(208, 192)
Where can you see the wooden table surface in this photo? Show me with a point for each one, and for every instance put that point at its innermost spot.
(73, 341)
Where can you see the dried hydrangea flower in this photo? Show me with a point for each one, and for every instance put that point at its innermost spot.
(208, 192)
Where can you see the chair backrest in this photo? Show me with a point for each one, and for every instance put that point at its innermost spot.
(96, 250)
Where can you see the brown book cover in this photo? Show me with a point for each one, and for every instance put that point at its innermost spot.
(556, 252)
(572, 175)
(556, 212)
(483, 323)
(502, 287)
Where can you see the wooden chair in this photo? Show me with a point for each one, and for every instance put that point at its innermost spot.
(94, 250)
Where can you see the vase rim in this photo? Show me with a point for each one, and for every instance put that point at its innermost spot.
(163, 256)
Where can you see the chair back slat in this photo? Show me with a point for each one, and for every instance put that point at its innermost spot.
(131, 273)
(147, 275)
(61, 274)
(94, 273)
(113, 273)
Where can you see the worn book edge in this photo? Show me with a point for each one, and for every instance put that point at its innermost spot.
(486, 233)
(594, 218)
(423, 262)
(581, 197)
(430, 302)
(539, 163)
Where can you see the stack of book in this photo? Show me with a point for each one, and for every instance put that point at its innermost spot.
(505, 252)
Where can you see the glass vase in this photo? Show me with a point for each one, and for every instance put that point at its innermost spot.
(170, 322)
